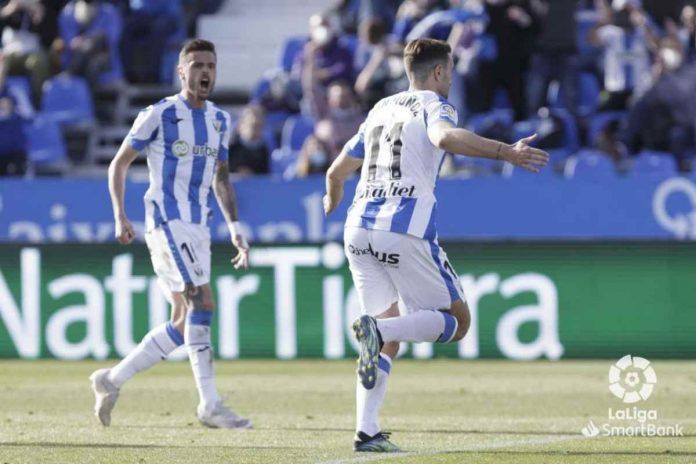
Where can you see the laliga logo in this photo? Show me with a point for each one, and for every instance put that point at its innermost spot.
(682, 225)
(632, 379)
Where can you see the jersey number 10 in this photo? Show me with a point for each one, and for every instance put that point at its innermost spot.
(393, 138)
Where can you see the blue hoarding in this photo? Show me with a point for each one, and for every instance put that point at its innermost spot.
(522, 207)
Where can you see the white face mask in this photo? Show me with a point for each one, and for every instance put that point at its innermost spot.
(84, 12)
(671, 58)
(321, 35)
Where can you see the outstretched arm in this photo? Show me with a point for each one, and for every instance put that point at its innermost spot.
(226, 199)
(117, 186)
(336, 176)
(463, 142)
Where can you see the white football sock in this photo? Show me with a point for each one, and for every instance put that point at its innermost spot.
(419, 326)
(153, 348)
(200, 351)
(369, 402)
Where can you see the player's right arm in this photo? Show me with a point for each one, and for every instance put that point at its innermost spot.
(117, 186)
(143, 132)
(350, 159)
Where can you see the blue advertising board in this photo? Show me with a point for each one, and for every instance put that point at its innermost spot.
(523, 207)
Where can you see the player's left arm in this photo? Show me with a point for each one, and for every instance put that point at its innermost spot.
(227, 200)
(446, 136)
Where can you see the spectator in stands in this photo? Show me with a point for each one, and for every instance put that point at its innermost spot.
(626, 38)
(470, 48)
(384, 10)
(22, 52)
(339, 118)
(315, 155)
(555, 56)
(345, 14)
(248, 151)
(384, 73)
(663, 118)
(324, 59)
(687, 32)
(513, 24)
(281, 94)
(412, 11)
(149, 29)
(13, 142)
(90, 31)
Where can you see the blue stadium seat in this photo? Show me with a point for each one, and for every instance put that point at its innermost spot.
(654, 163)
(259, 89)
(589, 164)
(295, 130)
(585, 21)
(20, 84)
(599, 121)
(572, 133)
(351, 42)
(68, 100)
(284, 162)
(45, 142)
(291, 48)
(588, 94)
(478, 121)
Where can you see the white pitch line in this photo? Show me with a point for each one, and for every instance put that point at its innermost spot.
(547, 439)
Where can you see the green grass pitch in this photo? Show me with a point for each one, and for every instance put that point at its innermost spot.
(441, 411)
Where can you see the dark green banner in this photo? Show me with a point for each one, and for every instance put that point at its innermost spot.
(528, 301)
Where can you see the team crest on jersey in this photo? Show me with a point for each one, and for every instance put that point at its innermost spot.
(180, 148)
(217, 125)
(447, 111)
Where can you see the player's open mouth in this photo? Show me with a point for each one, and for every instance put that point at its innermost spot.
(205, 83)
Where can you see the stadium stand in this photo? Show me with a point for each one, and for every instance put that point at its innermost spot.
(373, 33)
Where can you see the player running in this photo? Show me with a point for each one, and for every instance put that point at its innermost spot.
(185, 137)
(390, 232)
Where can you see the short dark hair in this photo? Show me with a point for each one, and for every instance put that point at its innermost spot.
(196, 45)
(422, 55)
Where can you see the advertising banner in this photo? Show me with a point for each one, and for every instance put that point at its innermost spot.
(528, 301)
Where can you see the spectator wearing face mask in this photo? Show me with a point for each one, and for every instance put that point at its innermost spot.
(90, 31)
(339, 108)
(248, 152)
(324, 59)
(626, 39)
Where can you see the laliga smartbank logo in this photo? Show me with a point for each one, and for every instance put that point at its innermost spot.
(632, 379)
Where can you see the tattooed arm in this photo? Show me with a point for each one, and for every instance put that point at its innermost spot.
(226, 198)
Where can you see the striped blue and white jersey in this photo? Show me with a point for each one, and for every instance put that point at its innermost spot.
(396, 191)
(626, 59)
(183, 145)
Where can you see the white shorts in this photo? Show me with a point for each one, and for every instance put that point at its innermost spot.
(180, 253)
(387, 266)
